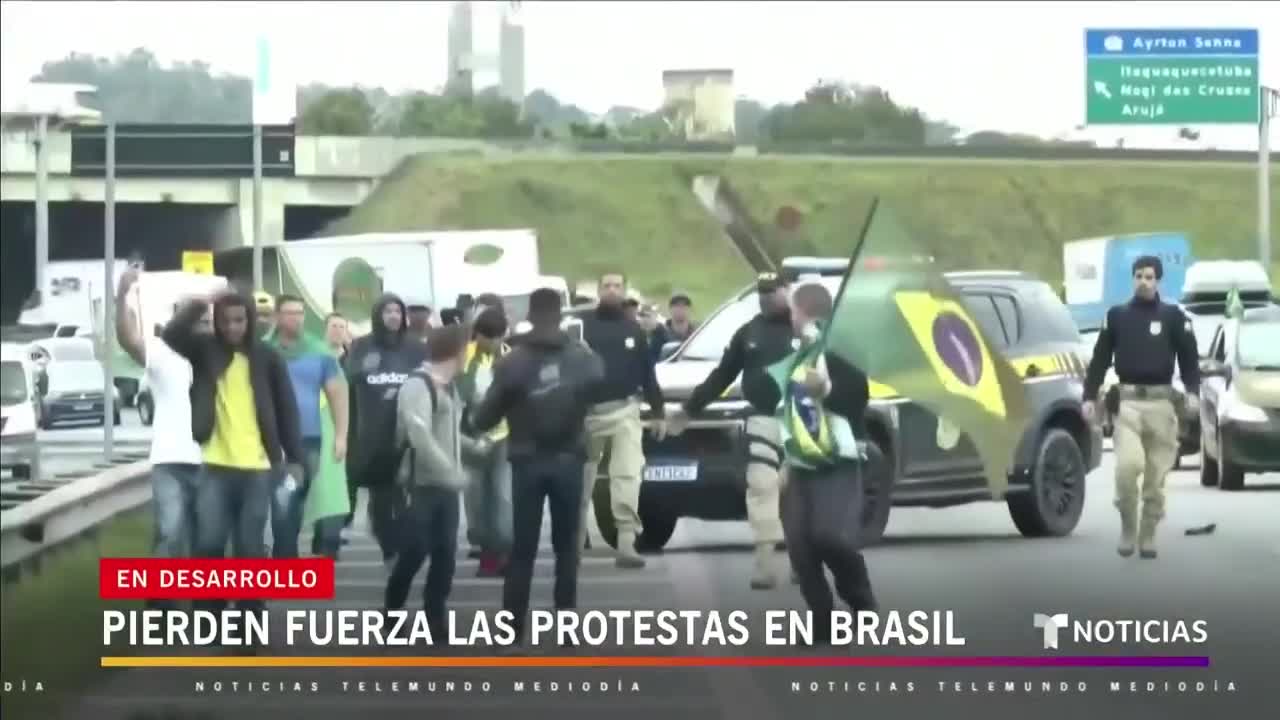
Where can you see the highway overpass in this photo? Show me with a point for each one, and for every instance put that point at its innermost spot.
(309, 172)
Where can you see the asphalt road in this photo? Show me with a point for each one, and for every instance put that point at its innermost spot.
(70, 452)
(969, 560)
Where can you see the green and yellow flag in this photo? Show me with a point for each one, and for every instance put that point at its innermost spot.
(1235, 307)
(899, 320)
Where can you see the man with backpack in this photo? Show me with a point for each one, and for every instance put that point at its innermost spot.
(543, 389)
(431, 477)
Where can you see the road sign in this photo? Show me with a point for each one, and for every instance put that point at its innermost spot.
(1171, 77)
(197, 261)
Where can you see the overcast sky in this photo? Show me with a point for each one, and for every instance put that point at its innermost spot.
(1006, 65)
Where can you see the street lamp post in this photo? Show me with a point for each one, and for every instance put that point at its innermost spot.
(42, 203)
(1270, 100)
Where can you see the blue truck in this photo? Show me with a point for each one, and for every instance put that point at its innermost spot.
(1097, 272)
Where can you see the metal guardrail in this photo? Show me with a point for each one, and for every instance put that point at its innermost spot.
(70, 511)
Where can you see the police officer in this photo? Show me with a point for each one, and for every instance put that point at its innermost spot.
(764, 340)
(1145, 337)
(614, 419)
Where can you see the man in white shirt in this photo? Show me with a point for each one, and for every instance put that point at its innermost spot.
(175, 455)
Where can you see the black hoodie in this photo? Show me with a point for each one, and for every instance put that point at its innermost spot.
(545, 411)
(209, 355)
(376, 366)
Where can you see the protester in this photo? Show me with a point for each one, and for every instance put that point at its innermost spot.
(488, 497)
(175, 456)
(314, 374)
(419, 320)
(338, 336)
(246, 420)
(823, 414)
(376, 367)
(428, 427)
(543, 388)
(614, 419)
(764, 340)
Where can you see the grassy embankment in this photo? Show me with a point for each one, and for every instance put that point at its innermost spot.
(635, 213)
(52, 622)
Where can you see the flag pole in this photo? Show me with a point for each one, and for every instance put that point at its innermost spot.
(853, 259)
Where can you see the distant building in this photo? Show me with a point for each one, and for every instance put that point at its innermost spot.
(464, 62)
(700, 102)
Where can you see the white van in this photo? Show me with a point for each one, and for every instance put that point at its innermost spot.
(19, 450)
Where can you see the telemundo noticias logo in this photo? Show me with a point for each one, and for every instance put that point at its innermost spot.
(1059, 627)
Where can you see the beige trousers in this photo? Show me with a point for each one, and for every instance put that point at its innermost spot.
(1146, 445)
(615, 425)
(764, 448)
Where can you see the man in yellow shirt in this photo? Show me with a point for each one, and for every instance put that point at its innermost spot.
(488, 496)
(244, 417)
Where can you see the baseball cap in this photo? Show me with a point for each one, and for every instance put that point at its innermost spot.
(768, 282)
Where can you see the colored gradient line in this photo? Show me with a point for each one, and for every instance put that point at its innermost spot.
(835, 661)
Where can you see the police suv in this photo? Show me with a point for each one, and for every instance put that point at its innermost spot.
(916, 460)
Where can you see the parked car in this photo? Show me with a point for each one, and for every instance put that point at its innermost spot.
(701, 473)
(71, 391)
(1240, 400)
(19, 413)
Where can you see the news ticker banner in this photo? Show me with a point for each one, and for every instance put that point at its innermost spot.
(698, 633)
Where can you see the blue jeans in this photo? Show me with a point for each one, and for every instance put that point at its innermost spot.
(287, 509)
(554, 481)
(488, 502)
(231, 504)
(173, 492)
(173, 495)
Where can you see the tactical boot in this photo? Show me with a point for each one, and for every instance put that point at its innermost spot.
(1128, 532)
(628, 558)
(1147, 538)
(765, 576)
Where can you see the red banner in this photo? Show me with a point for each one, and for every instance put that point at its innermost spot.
(209, 579)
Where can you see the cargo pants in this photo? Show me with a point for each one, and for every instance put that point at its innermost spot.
(764, 458)
(1146, 445)
(615, 425)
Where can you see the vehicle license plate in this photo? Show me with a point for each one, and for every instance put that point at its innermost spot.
(670, 472)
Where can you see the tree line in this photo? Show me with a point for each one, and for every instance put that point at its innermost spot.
(136, 87)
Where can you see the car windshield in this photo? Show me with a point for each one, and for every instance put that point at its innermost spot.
(13, 383)
(710, 341)
(74, 376)
(1259, 344)
(72, 352)
(1204, 327)
(516, 307)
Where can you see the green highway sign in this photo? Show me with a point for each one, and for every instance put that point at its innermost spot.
(1171, 77)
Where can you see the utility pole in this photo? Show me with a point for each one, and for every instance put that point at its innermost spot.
(257, 207)
(109, 298)
(42, 204)
(1270, 99)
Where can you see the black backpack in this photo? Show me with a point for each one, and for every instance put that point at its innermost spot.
(555, 396)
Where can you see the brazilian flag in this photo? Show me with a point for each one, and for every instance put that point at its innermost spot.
(899, 320)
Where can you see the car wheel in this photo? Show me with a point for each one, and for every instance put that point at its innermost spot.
(1230, 475)
(146, 410)
(1052, 506)
(658, 522)
(1208, 467)
(877, 496)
